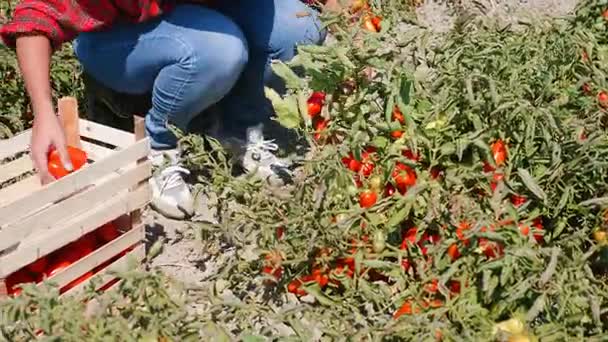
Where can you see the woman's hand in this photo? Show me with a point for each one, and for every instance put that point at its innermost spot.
(47, 134)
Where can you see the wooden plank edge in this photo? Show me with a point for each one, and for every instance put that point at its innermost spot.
(15, 168)
(19, 143)
(15, 232)
(44, 244)
(121, 264)
(73, 182)
(108, 135)
(97, 258)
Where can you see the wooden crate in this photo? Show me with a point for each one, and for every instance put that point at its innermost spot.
(36, 220)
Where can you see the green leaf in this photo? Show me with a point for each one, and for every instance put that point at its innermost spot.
(286, 109)
(399, 216)
(292, 81)
(531, 184)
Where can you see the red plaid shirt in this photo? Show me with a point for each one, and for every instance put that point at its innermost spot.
(62, 20)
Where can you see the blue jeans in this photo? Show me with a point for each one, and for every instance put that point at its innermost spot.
(195, 57)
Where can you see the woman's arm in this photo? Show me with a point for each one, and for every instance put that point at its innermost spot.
(34, 56)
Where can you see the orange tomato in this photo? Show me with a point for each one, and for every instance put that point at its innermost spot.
(368, 24)
(77, 156)
(499, 152)
(398, 116)
(453, 252)
(396, 134)
(367, 199)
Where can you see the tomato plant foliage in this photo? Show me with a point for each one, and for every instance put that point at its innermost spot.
(484, 205)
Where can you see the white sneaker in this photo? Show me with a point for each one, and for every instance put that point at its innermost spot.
(171, 195)
(257, 156)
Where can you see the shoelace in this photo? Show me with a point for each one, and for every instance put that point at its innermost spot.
(172, 176)
(264, 148)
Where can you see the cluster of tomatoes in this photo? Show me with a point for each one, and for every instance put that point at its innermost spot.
(62, 258)
(587, 89)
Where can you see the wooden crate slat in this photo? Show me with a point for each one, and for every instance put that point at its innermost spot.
(18, 191)
(119, 265)
(98, 257)
(24, 163)
(106, 134)
(96, 152)
(15, 168)
(16, 144)
(15, 231)
(43, 244)
(73, 182)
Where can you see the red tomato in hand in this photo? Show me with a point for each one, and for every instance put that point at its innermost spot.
(367, 198)
(77, 156)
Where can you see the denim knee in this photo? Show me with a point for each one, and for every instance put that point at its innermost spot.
(215, 64)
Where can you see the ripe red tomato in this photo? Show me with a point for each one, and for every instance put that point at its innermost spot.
(518, 200)
(586, 88)
(432, 287)
(404, 176)
(377, 22)
(18, 278)
(280, 232)
(85, 245)
(411, 155)
(396, 134)
(398, 116)
(453, 252)
(367, 198)
(77, 156)
(57, 267)
(490, 248)
(314, 107)
(107, 232)
(460, 232)
(605, 14)
(499, 152)
(320, 126)
(318, 95)
(602, 98)
(368, 24)
(275, 272)
(38, 266)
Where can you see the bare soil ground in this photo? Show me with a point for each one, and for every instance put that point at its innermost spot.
(190, 260)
